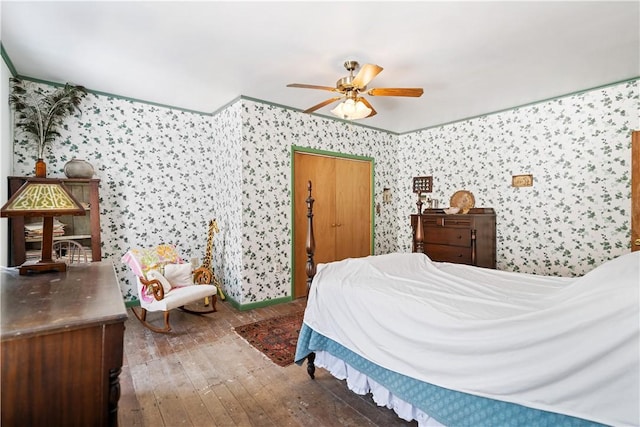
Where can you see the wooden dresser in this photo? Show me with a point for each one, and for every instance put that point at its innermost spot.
(461, 238)
(62, 343)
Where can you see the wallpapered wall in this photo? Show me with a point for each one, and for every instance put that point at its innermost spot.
(165, 173)
(155, 166)
(6, 161)
(268, 133)
(225, 201)
(578, 148)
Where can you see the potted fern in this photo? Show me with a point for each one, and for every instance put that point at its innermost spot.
(39, 115)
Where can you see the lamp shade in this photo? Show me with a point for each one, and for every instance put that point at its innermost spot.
(42, 198)
(351, 109)
(46, 198)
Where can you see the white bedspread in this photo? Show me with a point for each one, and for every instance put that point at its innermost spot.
(567, 345)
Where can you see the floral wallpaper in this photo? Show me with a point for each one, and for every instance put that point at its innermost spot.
(268, 134)
(155, 169)
(578, 148)
(166, 173)
(225, 201)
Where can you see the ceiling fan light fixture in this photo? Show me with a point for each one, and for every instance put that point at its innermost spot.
(351, 110)
(354, 107)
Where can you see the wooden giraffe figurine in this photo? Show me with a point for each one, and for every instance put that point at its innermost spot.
(204, 274)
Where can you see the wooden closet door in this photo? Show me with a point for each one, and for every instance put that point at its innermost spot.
(353, 209)
(320, 170)
(342, 211)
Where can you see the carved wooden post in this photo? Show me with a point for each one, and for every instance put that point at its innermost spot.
(419, 228)
(311, 268)
(311, 367)
(311, 242)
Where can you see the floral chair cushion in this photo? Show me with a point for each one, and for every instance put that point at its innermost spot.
(142, 260)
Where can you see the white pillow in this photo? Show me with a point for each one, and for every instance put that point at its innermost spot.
(178, 274)
(155, 274)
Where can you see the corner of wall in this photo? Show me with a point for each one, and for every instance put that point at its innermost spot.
(6, 160)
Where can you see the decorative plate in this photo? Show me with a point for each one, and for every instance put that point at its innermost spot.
(464, 200)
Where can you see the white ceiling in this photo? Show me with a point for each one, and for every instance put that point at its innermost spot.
(471, 58)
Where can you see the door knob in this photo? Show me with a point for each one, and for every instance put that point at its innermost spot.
(637, 242)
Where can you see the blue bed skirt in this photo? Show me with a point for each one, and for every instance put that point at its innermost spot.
(449, 407)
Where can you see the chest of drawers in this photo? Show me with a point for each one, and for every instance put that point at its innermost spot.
(61, 342)
(462, 238)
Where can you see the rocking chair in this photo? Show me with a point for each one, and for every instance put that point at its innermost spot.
(165, 282)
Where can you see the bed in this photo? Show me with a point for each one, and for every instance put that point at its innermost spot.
(456, 345)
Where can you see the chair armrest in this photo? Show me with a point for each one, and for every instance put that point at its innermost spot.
(156, 287)
(202, 276)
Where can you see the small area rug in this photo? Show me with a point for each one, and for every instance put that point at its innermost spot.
(275, 337)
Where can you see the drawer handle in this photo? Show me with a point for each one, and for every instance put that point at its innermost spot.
(459, 236)
(459, 255)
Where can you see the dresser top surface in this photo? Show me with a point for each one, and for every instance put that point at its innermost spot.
(472, 211)
(42, 303)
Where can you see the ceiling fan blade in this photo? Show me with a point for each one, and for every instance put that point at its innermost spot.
(366, 74)
(322, 104)
(304, 86)
(396, 91)
(365, 102)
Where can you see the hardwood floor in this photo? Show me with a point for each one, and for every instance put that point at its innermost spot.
(204, 374)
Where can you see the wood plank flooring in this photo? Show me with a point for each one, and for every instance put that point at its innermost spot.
(204, 374)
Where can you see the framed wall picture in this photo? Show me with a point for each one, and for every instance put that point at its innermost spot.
(522, 181)
(422, 184)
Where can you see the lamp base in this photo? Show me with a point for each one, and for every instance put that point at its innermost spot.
(41, 267)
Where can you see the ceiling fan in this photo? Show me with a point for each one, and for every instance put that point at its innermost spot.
(352, 88)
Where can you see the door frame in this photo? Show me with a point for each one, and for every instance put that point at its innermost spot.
(306, 150)
(635, 190)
